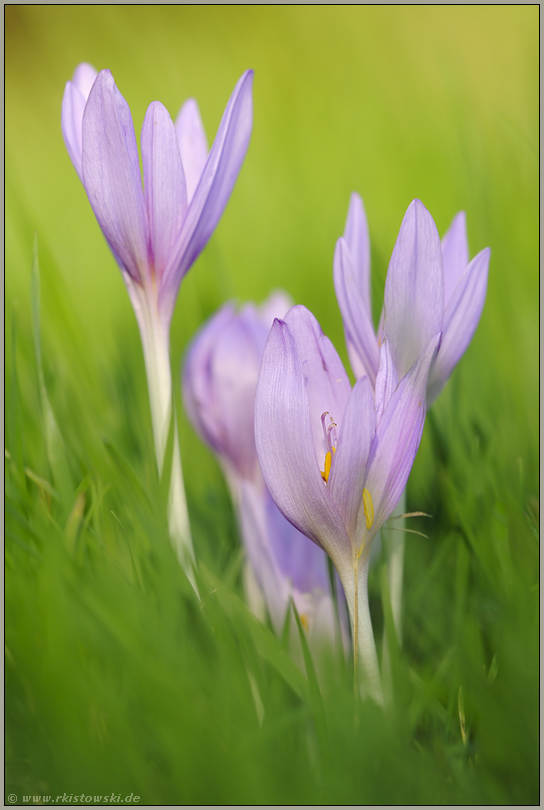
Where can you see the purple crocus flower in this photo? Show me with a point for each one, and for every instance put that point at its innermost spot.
(155, 232)
(336, 459)
(219, 383)
(430, 287)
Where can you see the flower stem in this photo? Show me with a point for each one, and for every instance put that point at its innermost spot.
(394, 544)
(370, 672)
(154, 332)
(355, 622)
(366, 671)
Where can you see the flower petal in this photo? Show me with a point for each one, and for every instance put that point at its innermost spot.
(460, 321)
(349, 467)
(358, 242)
(327, 384)
(234, 369)
(414, 288)
(397, 440)
(74, 100)
(193, 144)
(454, 254)
(111, 175)
(285, 562)
(285, 447)
(386, 381)
(164, 184)
(361, 340)
(299, 560)
(198, 390)
(216, 184)
(84, 77)
(256, 538)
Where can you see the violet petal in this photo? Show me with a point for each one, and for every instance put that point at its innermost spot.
(349, 465)
(397, 440)
(414, 288)
(193, 144)
(361, 339)
(454, 254)
(461, 318)
(214, 189)
(111, 175)
(286, 451)
(386, 380)
(164, 184)
(74, 100)
(327, 384)
(358, 242)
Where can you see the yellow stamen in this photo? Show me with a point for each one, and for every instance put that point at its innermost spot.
(304, 621)
(328, 462)
(369, 508)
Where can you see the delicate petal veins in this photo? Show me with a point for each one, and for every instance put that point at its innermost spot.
(454, 254)
(111, 175)
(193, 144)
(460, 321)
(397, 440)
(216, 184)
(285, 447)
(358, 327)
(164, 184)
(414, 289)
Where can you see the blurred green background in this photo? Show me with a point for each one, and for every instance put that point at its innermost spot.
(395, 102)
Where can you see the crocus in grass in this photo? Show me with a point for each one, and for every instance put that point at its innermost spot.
(157, 231)
(336, 459)
(219, 384)
(431, 287)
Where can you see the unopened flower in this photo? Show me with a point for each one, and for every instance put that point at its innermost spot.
(431, 287)
(336, 459)
(219, 383)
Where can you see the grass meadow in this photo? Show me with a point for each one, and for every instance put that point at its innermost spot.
(118, 678)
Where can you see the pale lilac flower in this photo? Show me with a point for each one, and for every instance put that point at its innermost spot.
(155, 232)
(336, 459)
(219, 383)
(430, 287)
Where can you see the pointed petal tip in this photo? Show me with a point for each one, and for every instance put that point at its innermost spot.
(341, 249)
(418, 207)
(460, 217)
(355, 201)
(245, 81)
